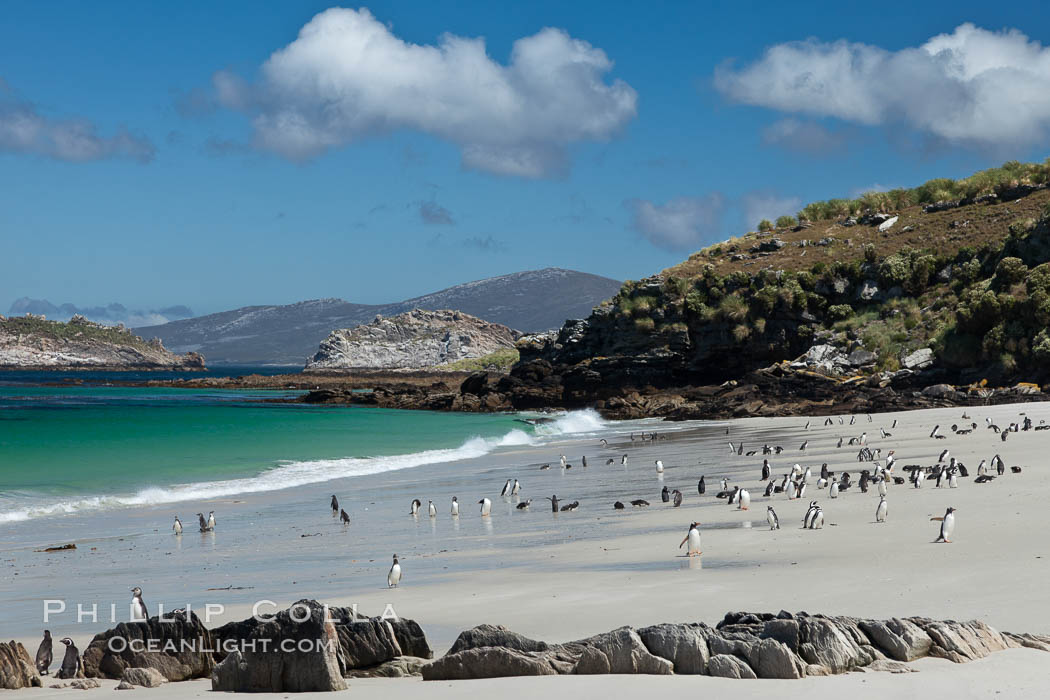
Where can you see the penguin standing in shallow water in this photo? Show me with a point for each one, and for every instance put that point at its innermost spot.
(693, 538)
(211, 520)
(139, 612)
(947, 526)
(335, 505)
(71, 664)
(394, 577)
(507, 487)
(177, 527)
(416, 505)
(432, 509)
(343, 516)
(486, 507)
(455, 507)
(44, 654)
(659, 466)
(517, 487)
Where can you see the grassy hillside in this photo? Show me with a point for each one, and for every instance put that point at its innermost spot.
(962, 270)
(75, 329)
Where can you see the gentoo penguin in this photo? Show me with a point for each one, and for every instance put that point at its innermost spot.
(804, 444)
(944, 456)
(744, 497)
(623, 460)
(920, 476)
(455, 507)
(765, 469)
(177, 527)
(524, 505)
(659, 466)
(733, 495)
(880, 511)
(618, 506)
(486, 507)
(71, 664)
(639, 503)
(344, 517)
(394, 577)
(947, 525)
(936, 429)
(772, 519)
(554, 503)
(570, 506)
(211, 520)
(335, 505)
(416, 505)
(834, 490)
(44, 654)
(563, 461)
(432, 509)
(676, 497)
(693, 538)
(701, 487)
(882, 486)
(517, 487)
(139, 612)
(953, 479)
(507, 487)
(665, 495)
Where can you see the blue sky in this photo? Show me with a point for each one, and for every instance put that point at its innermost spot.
(155, 154)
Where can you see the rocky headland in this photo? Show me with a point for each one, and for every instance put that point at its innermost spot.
(32, 342)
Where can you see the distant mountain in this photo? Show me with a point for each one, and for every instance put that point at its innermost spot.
(531, 301)
(110, 315)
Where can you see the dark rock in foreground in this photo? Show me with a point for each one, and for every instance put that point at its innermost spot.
(178, 647)
(16, 668)
(743, 645)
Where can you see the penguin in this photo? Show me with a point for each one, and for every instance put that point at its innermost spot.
(1000, 467)
(800, 489)
(570, 507)
(639, 503)
(744, 497)
(177, 527)
(583, 461)
(344, 517)
(432, 509)
(486, 507)
(665, 495)
(772, 519)
(604, 442)
(71, 663)
(701, 487)
(677, 498)
(524, 505)
(554, 503)
(693, 538)
(936, 429)
(804, 444)
(817, 522)
(455, 507)
(944, 456)
(623, 460)
(953, 479)
(618, 506)
(824, 473)
(203, 522)
(563, 461)
(507, 487)
(416, 505)
(882, 486)
(394, 577)
(810, 512)
(544, 467)
(833, 492)
(733, 496)
(894, 424)
(947, 526)
(725, 484)
(765, 469)
(920, 476)
(769, 488)
(44, 654)
(211, 520)
(139, 612)
(659, 466)
(517, 486)
(335, 505)
(880, 510)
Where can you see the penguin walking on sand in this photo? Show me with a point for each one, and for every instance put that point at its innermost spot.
(335, 506)
(659, 466)
(947, 526)
(772, 519)
(817, 521)
(810, 512)
(882, 485)
(701, 486)
(833, 492)
(953, 479)
(693, 538)
(770, 485)
(394, 577)
(344, 517)
(71, 663)
(486, 507)
(455, 507)
(676, 498)
(139, 611)
(177, 527)
(765, 469)
(44, 654)
(432, 509)
(744, 499)
(416, 505)
(665, 495)
(880, 510)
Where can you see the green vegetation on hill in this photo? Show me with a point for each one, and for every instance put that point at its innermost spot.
(498, 361)
(75, 329)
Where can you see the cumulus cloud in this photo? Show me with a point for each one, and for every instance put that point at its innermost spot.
(23, 129)
(802, 137)
(680, 224)
(972, 86)
(347, 76)
(767, 205)
(434, 214)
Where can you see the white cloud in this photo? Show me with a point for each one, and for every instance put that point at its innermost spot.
(681, 224)
(24, 130)
(802, 136)
(973, 86)
(767, 205)
(347, 76)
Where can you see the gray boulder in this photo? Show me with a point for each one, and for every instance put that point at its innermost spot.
(487, 662)
(684, 645)
(920, 359)
(495, 636)
(825, 643)
(619, 651)
(961, 641)
(726, 666)
(16, 668)
(401, 667)
(180, 646)
(145, 677)
(898, 639)
(772, 659)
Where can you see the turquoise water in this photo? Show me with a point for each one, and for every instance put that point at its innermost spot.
(66, 449)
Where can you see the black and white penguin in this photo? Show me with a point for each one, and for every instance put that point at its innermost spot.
(943, 457)
(810, 512)
(833, 492)
(507, 487)
(769, 488)
(455, 507)
(564, 461)
(432, 509)
(44, 654)
(659, 466)
(335, 505)
(71, 664)
(639, 503)
(947, 525)
(343, 516)
(486, 507)
(583, 461)
(516, 489)
(569, 507)
(701, 487)
(772, 519)
(676, 498)
(416, 505)
(880, 510)
(817, 521)
(177, 526)
(623, 459)
(693, 538)
(139, 611)
(733, 495)
(765, 469)
(804, 445)
(665, 495)
(211, 520)
(744, 498)
(554, 503)
(394, 577)
(936, 429)
(524, 505)
(203, 522)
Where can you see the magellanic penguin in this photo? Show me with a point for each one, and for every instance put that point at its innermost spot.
(139, 612)
(810, 512)
(744, 499)
(665, 494)
(770, 485)
(676, 497)
(177, 527)
(817, 522)
(486, 507)
(701, 487)
(416, 505)
(623, 460)
(335, 505)
(880, 511)
(394, 577)
(772, 519)
(693, 538)
(947, 525)
(659, 466)
(765, 469)
(203, 522)
(455, 507)
(71, 664)
(432, 509)
(344, 517)
(44, 654)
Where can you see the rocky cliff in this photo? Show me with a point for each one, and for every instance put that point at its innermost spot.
(32, 342)
(412, 340)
